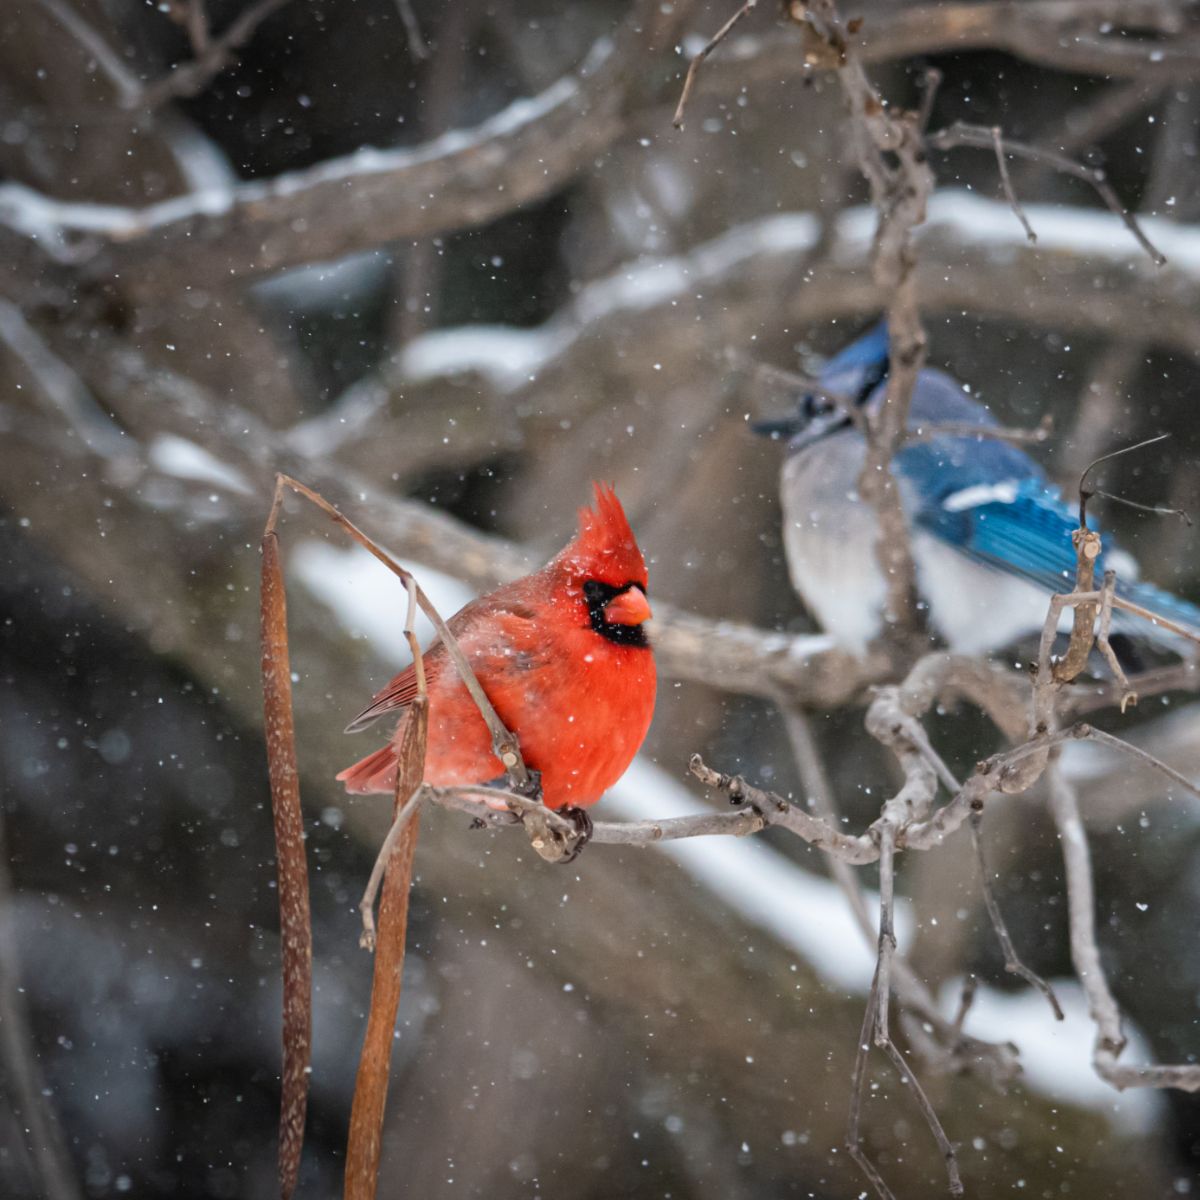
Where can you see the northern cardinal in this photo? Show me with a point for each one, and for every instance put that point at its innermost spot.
(562, 655)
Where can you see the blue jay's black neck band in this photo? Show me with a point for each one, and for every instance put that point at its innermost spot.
(873, 378)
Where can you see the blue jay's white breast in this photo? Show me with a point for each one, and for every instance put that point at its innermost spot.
(830, 538)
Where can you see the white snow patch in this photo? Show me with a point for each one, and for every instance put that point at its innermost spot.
(204, 165)
(800, 909)
(327, 286)
(369, 600)
(1083, 231)
(508, 357)
(1056, 1056)
(185, 460)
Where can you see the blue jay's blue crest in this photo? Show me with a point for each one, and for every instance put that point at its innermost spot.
(991, 535)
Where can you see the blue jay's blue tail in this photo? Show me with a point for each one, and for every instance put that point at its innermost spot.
(1165, 605)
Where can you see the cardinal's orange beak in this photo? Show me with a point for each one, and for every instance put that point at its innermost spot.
(629, 608)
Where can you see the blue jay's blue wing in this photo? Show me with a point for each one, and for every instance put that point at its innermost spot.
(1017, 525)
(1023, 527)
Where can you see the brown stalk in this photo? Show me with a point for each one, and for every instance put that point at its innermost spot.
(1087, 550)
(395, 862)
(370, 1090)
(295, 923)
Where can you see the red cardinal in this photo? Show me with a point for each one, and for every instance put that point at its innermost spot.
(562, 655)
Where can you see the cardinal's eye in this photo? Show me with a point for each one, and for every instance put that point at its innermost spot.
(597, 594)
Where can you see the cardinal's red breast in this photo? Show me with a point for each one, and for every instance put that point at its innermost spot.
(563, 657)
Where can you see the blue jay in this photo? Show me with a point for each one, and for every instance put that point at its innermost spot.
(991, 537)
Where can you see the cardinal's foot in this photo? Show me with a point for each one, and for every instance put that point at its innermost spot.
(582, 820)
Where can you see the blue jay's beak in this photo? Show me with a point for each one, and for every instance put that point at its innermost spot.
(778, 429)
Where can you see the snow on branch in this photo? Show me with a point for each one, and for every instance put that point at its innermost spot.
(461, 179)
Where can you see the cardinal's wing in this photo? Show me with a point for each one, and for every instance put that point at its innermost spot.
(487, 631)
(398, 694)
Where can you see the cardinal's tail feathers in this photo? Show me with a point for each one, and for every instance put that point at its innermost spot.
(375, 773)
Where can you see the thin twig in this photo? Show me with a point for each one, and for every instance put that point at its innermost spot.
(775, 810)
(949, 1158)
(998, 433)
(876, 1028)
(1085, 126)
(196, 23)
(887, 932)
(1091, 733)
(1012, 962)
(694, 66)
(858, 1087)
(913, 730)
(1107, 591)
(1154, 618)
(1184, 676)
(1085, 954)
(1158, 510)
(366, 905)
(190, 78)
(474, 800)
(129, 89)
(965, 1000)
(981, 137)
(1006, 183)
(412, 31)
(930, 82)
(816, 785)
(1086, 493)
(996, 1060)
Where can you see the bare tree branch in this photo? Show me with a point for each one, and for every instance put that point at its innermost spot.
(412, 30)
(128, 87)
(518, 156)
(216, 55)
(900, 194)
(1081, 908)
(698, 58)
(1012, 960)
(963, 134)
